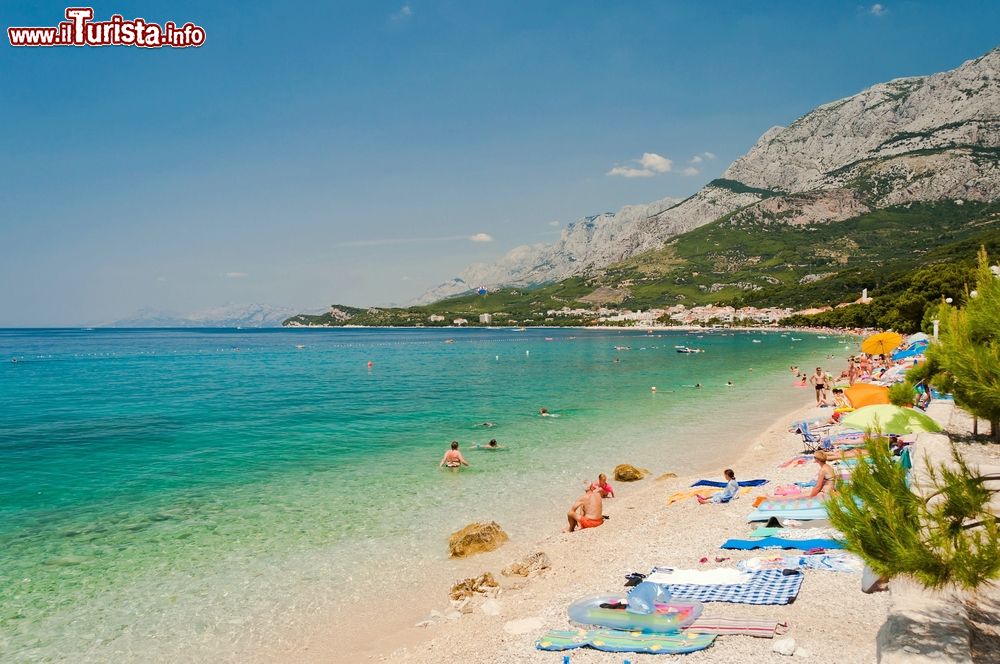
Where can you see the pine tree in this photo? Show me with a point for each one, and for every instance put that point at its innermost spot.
(944, 536)
(966, 361)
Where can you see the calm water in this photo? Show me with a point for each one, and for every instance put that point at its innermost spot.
(167, 487)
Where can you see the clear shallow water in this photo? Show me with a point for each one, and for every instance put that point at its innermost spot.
(162, 491)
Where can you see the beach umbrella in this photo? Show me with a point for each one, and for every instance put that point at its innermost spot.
(919, 336)
(881, 344)
(866, 394)
(889, 419)
(912, 351)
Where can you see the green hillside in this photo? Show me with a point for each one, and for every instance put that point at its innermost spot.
(742, 259)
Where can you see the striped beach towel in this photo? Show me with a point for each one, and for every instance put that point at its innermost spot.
(829, 562)
(771, 586)
(766, 629)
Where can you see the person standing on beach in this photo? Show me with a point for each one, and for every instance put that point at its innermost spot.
(453, 458)
(586, 512)
(818, 381)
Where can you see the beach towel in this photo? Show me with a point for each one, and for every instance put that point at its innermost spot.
(789, 503)
(613, 640)
(788, 490)
(704, 492)
(781, 543)
(829, 562)
(766, 629)
(702, 577)
(721, 485)
(797, 533)
(770, 586)
(798, 515)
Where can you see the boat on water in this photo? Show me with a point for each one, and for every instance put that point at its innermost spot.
(795, 339)
(685, 349)
(449, 341)
(623, 348)
(756, 341)
(519, 329)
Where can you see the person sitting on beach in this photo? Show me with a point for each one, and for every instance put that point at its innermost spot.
(602, 485)
(724, 496)
(453, 458)
(826, 477)
(586, 512)
(839, 400)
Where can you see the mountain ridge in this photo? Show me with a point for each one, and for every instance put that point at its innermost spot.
(911, 139)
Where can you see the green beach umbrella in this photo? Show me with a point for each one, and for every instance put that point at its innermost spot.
(889, 419)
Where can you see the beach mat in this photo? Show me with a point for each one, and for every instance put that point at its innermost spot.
(765, 629)
(722, 485)
(781, 543)
(704, 492)
(796, 533)
(771, 586)
(797, 515)
(829, 562)
(782, 503)
(612, 640)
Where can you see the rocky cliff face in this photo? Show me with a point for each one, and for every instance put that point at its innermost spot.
(912, 139)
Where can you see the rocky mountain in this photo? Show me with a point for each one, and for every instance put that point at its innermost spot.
(230, 315)
(918, 139)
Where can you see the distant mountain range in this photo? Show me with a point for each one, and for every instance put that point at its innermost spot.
(230, 315)
(911, 140)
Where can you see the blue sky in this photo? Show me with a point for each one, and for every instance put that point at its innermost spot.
(321, 152)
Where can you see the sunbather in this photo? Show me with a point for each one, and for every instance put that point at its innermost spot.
(586, 512)
(825, 478)
(724, 496)
(602, 485)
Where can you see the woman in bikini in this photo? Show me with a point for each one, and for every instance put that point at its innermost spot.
(825, 479)
(453, 458)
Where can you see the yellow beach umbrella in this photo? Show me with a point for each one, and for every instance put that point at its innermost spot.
(889, 419)
(881, 344)
(865, 394)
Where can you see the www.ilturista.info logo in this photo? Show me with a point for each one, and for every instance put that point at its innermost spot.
(81, 30)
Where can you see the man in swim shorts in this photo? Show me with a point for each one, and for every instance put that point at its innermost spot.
(818, 381)
(586, 512)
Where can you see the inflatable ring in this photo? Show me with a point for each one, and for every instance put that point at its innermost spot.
(670, 617)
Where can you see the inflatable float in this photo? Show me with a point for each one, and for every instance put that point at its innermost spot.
(648, 609)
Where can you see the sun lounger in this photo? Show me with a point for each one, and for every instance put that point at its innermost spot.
(781, 543)
(770, 586)
(811, 514)
(613, 640)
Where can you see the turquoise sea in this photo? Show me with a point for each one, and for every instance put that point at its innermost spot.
(186, 491)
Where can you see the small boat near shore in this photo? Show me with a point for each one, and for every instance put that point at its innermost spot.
(685, 349)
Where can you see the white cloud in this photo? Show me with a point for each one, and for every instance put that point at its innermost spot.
(555, 223)
(237, 275)
(651, 164)
(878, 10)
(481, 237)
(709, 155)
(690, 170)
(696, 159)
(161, 279)
(404, 13)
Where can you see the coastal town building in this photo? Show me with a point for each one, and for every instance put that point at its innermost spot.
(435, 318)
(486, 319)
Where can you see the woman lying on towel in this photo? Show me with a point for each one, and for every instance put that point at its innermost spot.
(724, 496)
(825, 479)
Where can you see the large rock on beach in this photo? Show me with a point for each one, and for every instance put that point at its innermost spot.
(481, 584)
(476, 538)
(626, 473)
(531, 564)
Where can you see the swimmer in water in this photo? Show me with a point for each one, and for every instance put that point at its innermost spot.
(492, 445)
(544, 412)
(488, 425)
(729, 383)
(697, 386)
(453, 458)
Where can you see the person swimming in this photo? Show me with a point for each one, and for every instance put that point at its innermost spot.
(453, 458)
(492, 445)
(488, 425)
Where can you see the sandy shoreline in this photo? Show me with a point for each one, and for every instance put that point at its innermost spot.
(830, 618)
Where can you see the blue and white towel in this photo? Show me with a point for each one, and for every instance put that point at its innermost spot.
(829, 562)
(781, 543)
(769, 586)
